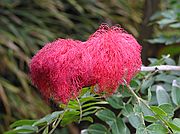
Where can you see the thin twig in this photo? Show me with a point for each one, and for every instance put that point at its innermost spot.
(57, 123)
(160, 68)
(141, 100)
(80, 109)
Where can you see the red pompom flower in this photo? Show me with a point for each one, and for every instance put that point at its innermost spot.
(115, 56)
(61, 68)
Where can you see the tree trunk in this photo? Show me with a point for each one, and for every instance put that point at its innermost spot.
(146, 31)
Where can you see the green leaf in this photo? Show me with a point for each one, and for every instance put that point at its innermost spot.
(175, 25)
(69, 117)
(135, 120)
(88, 118)
(158, 111)
(150, 118)
(22, 122)
(146, 111)
(165, 78)
(94, 103)
(156, 129)
(86, 99)
(123, 90)
(165, 22)
(26, 128)
(128, 109)
(141, 130)
(170, 61)
(176, 121)
(115, 101)
(149, 94)
(106, 115)
(118, 127)
(48, 118)
(84, 91)
(97, 129)
(160, 39)
(46, 130)
(174, 127)
(168, 108)
(162, 96)
(116, 124)
(175, 93)
(146, 84)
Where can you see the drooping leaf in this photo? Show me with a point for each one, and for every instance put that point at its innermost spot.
(147, 84)
(135, 120)
(22, 122)
(146, 111)
(162, 95)
(23, 129)
(116, 101)
(128, 109)
(88, 118)
(156, 129)
(141, 130)
(165, 78)
(48, 118)
(106, 115)
(118, 127)
(175, 93)
(97, 129)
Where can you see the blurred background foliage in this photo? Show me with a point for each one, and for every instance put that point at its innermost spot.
(26, 25)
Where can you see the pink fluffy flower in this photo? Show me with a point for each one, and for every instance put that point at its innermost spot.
(60, 69)
(115, 56)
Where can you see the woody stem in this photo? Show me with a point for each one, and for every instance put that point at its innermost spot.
(160, 68)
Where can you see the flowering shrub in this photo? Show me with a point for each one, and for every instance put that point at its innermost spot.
(70, 71)
(62, 68)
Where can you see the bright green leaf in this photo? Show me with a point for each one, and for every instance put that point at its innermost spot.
(150, 118)
(158, 111)
(174, 127)
(168, 108)
(88, 118)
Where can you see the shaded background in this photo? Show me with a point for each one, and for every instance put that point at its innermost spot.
(26, 25)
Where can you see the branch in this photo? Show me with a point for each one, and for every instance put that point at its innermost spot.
(161, 68)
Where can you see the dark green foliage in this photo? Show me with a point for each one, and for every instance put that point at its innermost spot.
(167, 31)
(146, 115)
